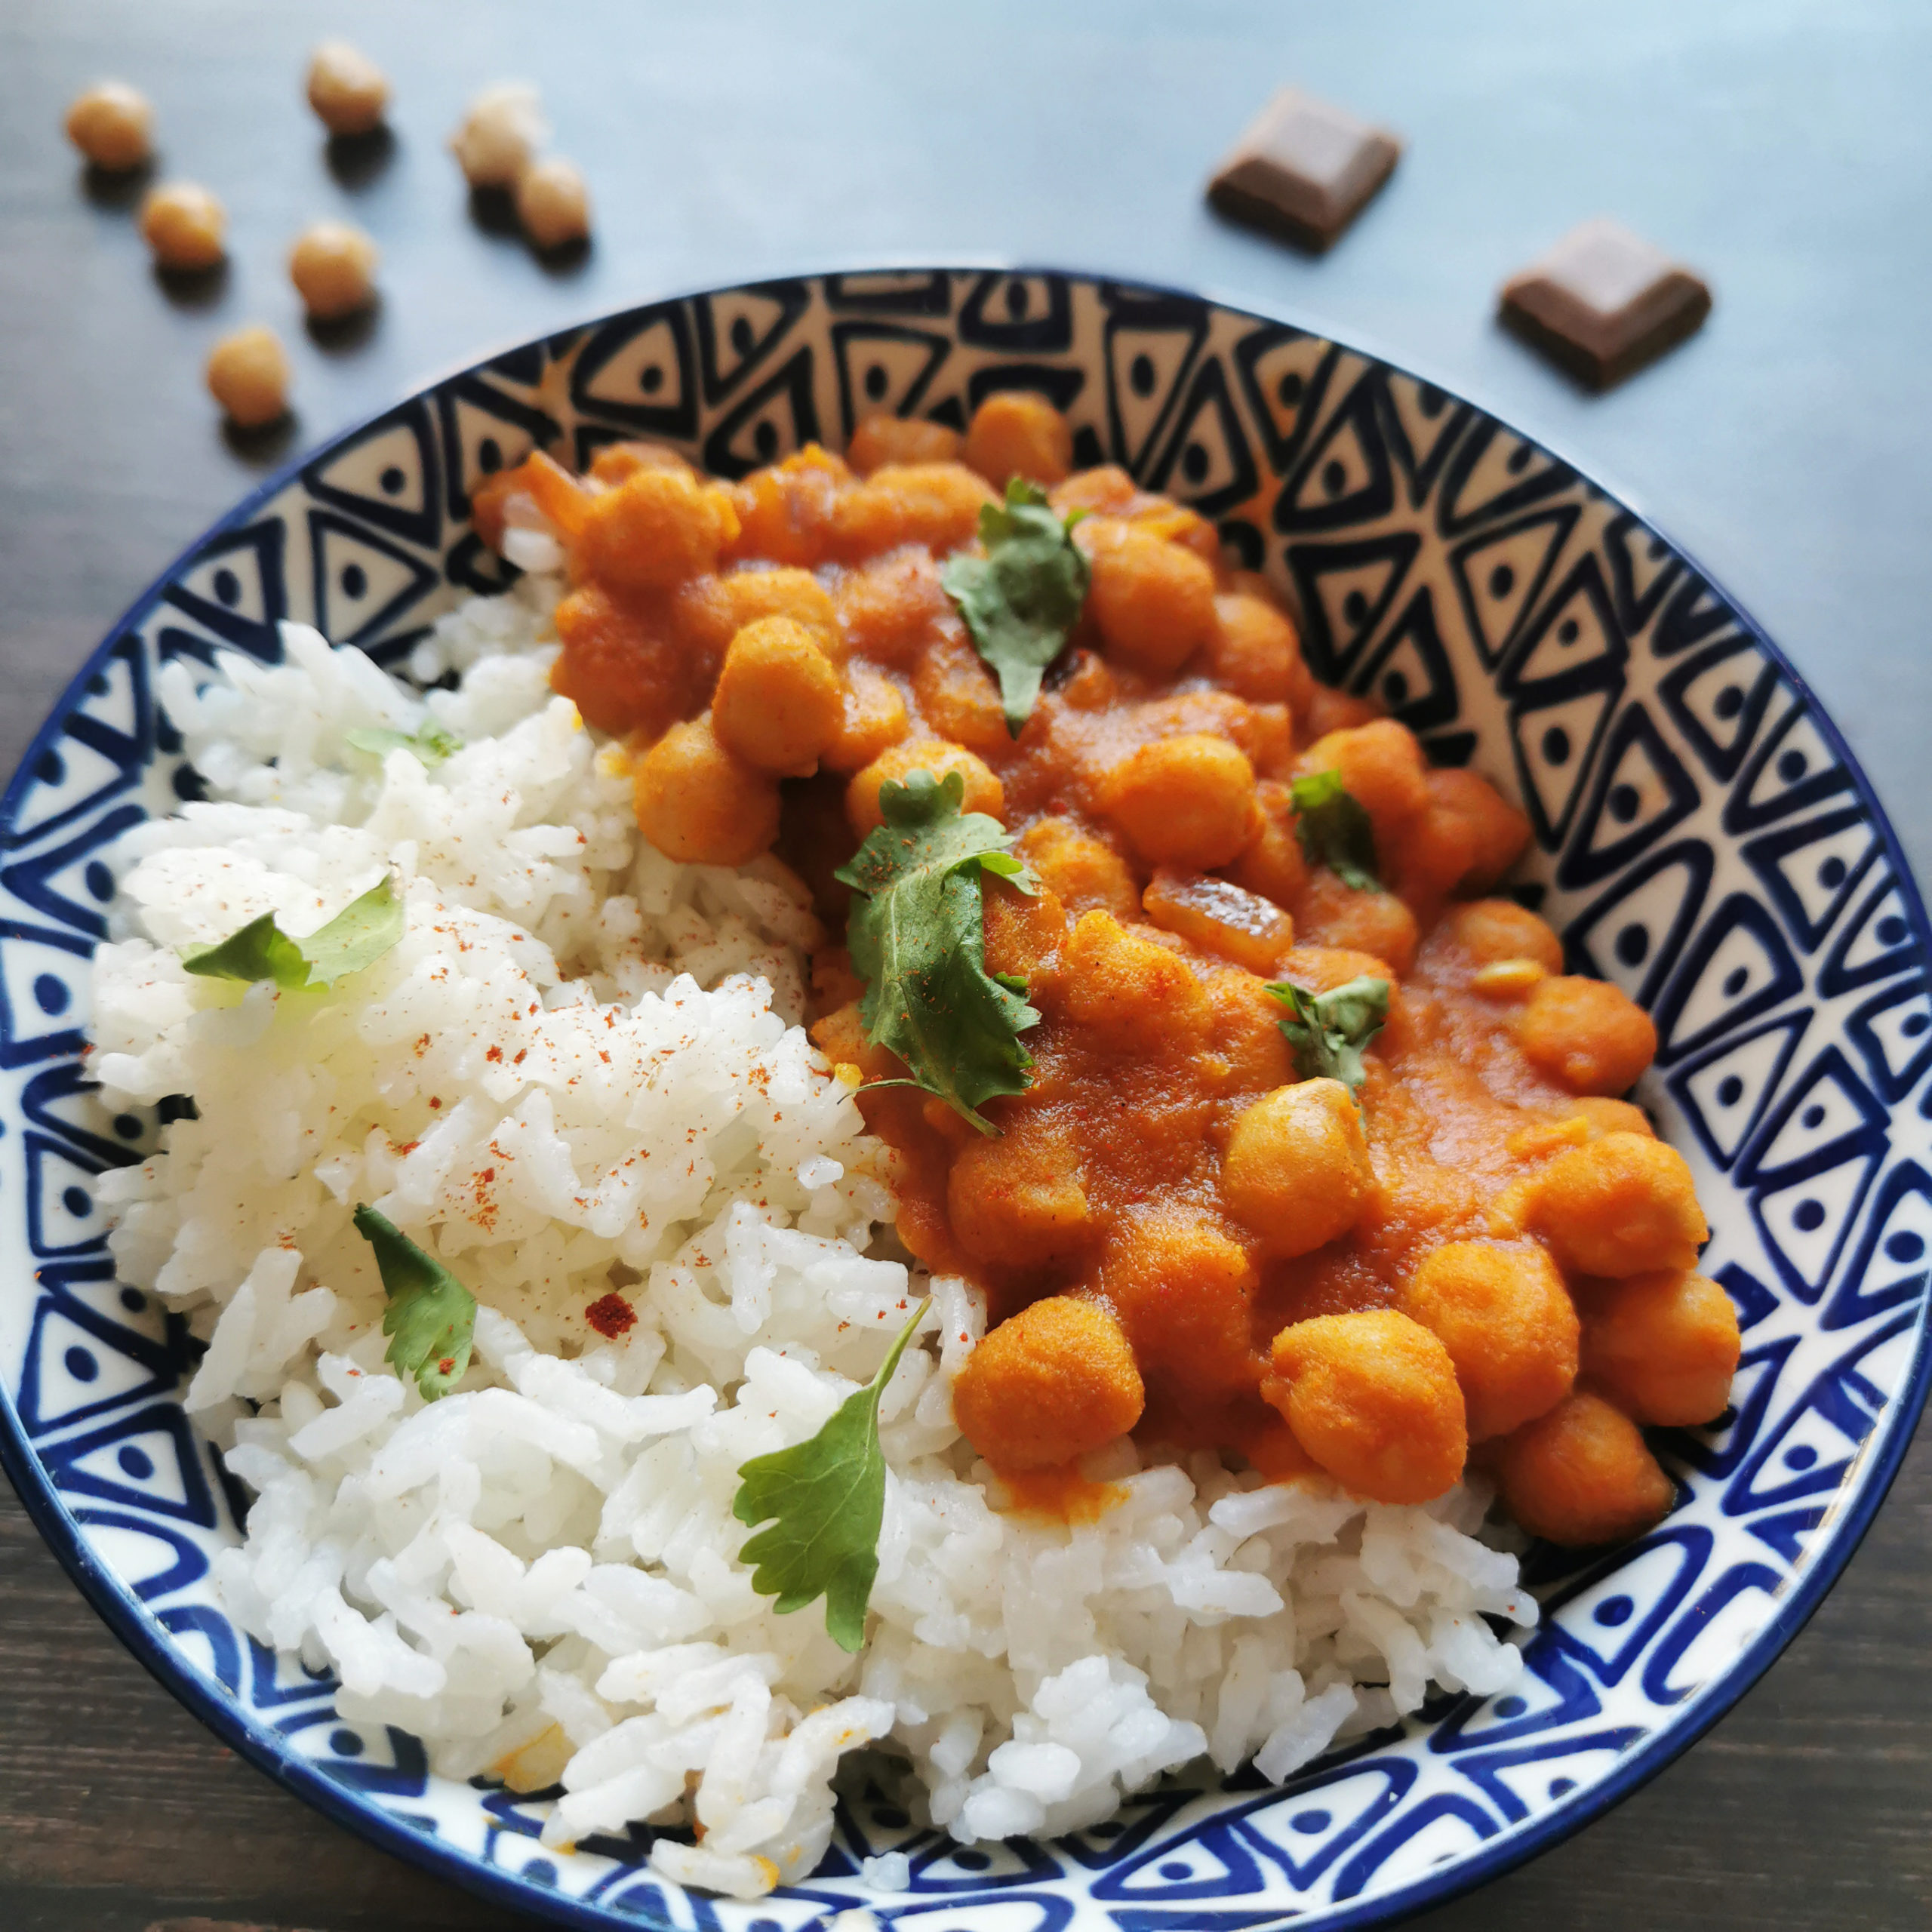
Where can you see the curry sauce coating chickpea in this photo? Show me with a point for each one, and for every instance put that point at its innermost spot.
(938, 504)
(1382, 768)
(698, 804)
(247, 374)
(873, 719)
(1581, 1476)
(1084, 872)
(1018, 1200)
(984, 791)
(347, 90)
(1187, 801)
(1491, 930)
(1016, 434)
(1585, 1035)
(1297, 1172)
(1183, 1289)
(1272, 863)
(1255, 653)
(1331, 913)
(1507, 1323)
(1624, 1205)
(1129, 993)
(1049, 1383)
(112, 125)
(711, 610)
(778, 701)
(882, 439)
(1497, 831)
(333, 266)
(655, 530)
(1373, 1397)
(1664, 1346)
(184, 224)
(1153, 601)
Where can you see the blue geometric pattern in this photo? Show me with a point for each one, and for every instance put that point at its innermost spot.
(1703, 840)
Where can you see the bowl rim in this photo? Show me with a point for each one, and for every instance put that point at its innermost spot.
(1875, 1467)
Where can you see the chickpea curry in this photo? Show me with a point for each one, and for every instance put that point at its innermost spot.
(1263, 1126)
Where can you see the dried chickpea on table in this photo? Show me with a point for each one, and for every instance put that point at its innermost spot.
(1287, 1141)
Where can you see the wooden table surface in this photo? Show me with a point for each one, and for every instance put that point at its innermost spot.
(1782, 146)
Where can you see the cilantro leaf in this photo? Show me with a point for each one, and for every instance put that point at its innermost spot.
(357, 936)
(823, 1502)
(917, 934)
(429, 742)
(431, 1315)
(1329, 1030)
(1334, 829)
(1020, 599)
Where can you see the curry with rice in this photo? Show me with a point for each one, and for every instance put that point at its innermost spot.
(1175, 982)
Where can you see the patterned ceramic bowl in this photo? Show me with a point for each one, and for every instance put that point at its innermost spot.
(1703, 840)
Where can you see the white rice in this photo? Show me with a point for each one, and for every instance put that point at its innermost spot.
(582, 1069)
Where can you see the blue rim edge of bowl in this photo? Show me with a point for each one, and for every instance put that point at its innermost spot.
(127, 1618)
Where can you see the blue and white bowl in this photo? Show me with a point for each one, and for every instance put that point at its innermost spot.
(1703, 840)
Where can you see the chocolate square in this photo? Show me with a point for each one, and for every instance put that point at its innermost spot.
(1304, 169)
(1604, 302)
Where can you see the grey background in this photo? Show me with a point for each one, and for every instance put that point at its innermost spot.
(1782, 146)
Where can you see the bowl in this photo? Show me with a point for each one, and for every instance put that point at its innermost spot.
(1703, 839)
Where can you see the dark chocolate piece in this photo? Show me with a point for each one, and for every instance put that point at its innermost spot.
(1304, 169)
(1604, 302)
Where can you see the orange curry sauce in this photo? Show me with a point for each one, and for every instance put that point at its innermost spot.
(1177, 1235)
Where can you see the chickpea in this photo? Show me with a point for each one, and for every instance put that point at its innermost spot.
(958, 696)
(1624, 1204)
(1017, 1201)
(1664, 1346)
(500, 132)
(1508, 1324)
(1490, 930)
(698, 804)
(1153, 601)
(1581, 1476)
(1601, 1116)
(1497, 831)
(622, 672)
(873, 719)
(112, 126)
(710, 611)
(882, 439)
(891, 610)
(1373, 1397)
(1585, 1035)
(1183, 1290)
(1382, 767)
(347, 90)
(552, 202)
(1014, 434)
(1296, 1173)
(655, 530)
(615, 461)
(983, 790)
(779, 702)
(1272, 863)
(1023, 929)
(786, 509)
(1255, 654)
(1129, 992)
(935, 503)
(333, 266)
(1049, 1383)
(1187, 801)
(1330, 912)
(184, 224)
(247, 374)
(1082, 871)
